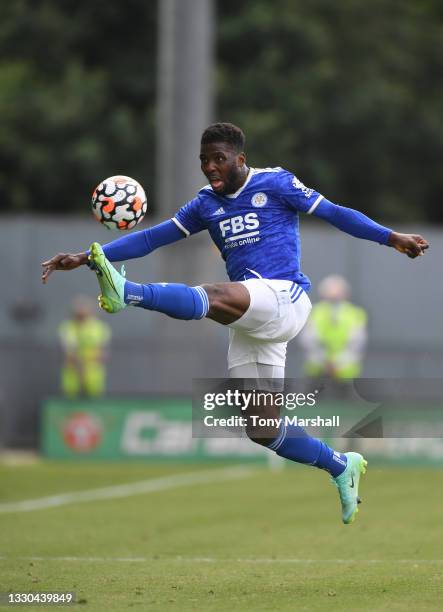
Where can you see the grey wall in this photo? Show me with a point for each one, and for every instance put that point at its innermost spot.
(154, 354)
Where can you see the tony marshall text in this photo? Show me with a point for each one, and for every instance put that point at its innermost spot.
(256, 421)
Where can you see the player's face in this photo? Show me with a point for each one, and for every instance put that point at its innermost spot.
(223, 166)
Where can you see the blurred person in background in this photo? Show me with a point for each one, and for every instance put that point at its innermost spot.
(84, 340)
(335, 335)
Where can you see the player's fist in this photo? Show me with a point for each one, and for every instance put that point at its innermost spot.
(411, 245)
(62, 261)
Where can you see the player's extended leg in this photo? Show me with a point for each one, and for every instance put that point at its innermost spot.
(271, 316)
(221, 302)
(294, 443)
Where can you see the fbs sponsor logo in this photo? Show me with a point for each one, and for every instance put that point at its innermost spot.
(259, 199)
(240, 230)
(229, 228)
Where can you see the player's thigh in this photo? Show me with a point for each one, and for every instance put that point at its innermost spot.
(227, 301)
(263, 306)
(277, 311)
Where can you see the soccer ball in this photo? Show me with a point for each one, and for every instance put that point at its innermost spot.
(119, 202)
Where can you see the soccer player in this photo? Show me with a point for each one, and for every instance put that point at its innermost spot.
(252, 216)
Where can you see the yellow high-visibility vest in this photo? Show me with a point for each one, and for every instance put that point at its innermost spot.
(334, 326)
(85, 339)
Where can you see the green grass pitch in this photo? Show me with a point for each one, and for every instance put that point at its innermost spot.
(267, 540)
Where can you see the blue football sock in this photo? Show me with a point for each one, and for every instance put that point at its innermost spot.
(176, 300)
(295, 444)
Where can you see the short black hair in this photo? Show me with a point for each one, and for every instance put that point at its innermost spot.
(224, 132)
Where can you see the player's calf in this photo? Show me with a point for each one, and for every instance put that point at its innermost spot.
(175, 300)
(222, 302)
(262, 425)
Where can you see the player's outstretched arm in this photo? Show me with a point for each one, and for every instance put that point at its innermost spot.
(359, 225)
(412, 245)
(137, 244)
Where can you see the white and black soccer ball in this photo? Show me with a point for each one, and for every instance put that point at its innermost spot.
(119, 203)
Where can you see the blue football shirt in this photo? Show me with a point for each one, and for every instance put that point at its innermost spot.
(256, 229)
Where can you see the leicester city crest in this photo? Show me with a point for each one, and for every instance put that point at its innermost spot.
(259, 199)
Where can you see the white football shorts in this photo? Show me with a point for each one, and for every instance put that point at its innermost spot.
(277, 313)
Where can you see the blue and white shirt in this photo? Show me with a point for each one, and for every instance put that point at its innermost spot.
(256, 228)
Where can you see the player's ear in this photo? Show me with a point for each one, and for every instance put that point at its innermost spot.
(241, 159)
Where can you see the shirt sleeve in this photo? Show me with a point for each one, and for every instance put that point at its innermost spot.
(139, 244)
(188, 217)
(295, 195)
(301, 198)
(352, 222)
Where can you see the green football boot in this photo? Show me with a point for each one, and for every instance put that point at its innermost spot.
(112, 283)
(347, 485)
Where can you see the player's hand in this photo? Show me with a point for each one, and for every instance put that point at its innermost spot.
(62, 261)
(412, 245)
